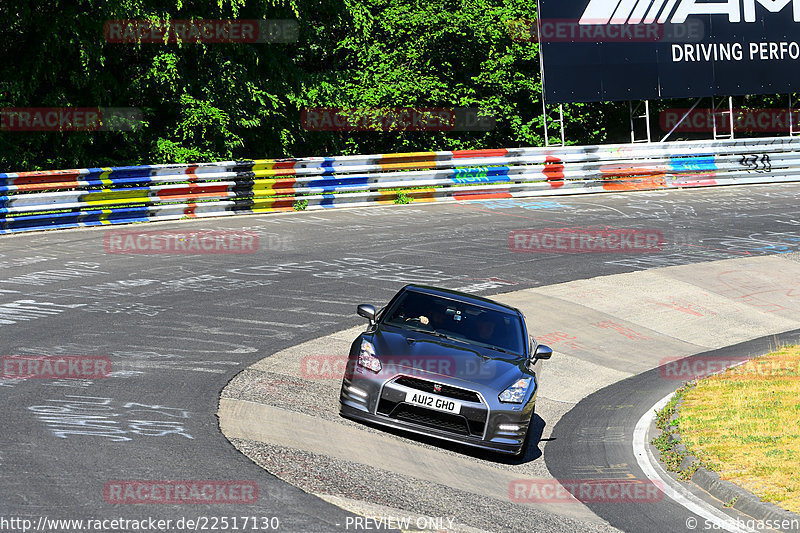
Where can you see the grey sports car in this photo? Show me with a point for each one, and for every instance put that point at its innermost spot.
(445, 364)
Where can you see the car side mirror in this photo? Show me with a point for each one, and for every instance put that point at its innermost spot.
(542, 352)
(368, 312)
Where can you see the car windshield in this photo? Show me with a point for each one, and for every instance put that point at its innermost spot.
(457, 320)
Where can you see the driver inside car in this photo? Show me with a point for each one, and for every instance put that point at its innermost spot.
(486, 329)
(436, 320)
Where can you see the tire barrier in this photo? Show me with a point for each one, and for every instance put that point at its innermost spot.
(118, 195)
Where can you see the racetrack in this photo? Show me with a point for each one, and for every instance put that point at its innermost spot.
(178, 327)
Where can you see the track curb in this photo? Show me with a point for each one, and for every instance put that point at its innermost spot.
(746, 501)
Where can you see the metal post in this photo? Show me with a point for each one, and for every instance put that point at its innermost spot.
(717, 135)
(541, 74)
(730, 110)
(646, 117)
(544, 119)
(714, 118)
(630, 119)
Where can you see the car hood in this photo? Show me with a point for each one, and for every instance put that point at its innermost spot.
(423, 355)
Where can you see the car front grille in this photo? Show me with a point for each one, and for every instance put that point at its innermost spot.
(450, 392)
(470, 422)
(435, 419)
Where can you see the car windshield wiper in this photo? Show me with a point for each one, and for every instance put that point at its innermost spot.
(497, 348)
(420, 330)
(448, 337)
(433, 332)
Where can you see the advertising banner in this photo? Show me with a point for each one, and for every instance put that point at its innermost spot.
(604, 50)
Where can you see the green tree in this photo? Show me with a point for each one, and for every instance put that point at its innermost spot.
(220, 101)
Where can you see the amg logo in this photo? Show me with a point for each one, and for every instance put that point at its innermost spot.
(649, 11)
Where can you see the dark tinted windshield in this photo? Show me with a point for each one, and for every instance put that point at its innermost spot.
(457, 320)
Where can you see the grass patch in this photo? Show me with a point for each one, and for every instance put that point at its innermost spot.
(403, 198)
(672, 459)
(745, 425)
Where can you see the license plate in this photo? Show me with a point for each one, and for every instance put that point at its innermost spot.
(433, 402)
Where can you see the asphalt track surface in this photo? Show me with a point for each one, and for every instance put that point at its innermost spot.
(177, 328)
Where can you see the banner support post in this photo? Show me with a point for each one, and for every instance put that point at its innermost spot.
(646, 118)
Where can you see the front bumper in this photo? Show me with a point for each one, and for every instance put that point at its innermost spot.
(480, 424)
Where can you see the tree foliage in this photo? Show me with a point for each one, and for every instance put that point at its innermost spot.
(221, 101)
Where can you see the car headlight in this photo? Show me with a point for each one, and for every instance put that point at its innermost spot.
(516, 392)
(366, 357)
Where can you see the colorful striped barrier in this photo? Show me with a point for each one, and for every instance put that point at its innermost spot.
(119, 195)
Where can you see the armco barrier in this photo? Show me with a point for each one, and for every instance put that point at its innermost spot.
(118, 195)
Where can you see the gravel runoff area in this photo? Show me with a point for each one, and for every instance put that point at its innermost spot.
(321, 400)
(392, 494)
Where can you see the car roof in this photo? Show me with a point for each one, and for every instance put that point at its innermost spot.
(461, 296)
